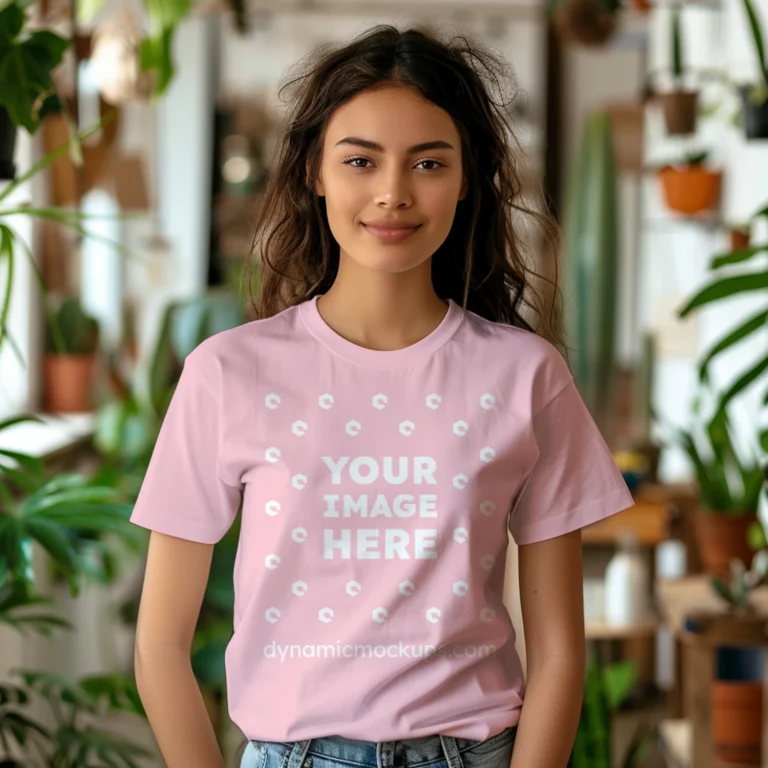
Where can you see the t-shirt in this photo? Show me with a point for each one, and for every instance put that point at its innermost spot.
(378, 488)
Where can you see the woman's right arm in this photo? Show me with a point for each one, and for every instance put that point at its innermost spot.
(174, 584)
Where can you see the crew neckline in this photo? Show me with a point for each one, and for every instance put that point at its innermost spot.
(380, 358)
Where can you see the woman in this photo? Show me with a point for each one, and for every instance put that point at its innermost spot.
(386, 421)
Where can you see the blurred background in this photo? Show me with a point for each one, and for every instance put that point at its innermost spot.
(133, 149)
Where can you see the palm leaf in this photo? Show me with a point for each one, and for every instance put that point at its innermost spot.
(751, 325)
(727, 286)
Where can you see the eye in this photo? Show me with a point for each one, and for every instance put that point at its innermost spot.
(436, 162)
(350, 160)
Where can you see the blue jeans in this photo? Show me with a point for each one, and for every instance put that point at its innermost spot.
(437, 751)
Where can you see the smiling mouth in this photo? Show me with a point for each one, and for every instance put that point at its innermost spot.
(390, 234)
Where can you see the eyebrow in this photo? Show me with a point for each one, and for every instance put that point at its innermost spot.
(374, 147)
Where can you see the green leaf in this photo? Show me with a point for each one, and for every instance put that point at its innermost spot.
(726, 286)
(26, 67)
(757, 37)
(155, 52)
(11, 22)
(735, 257)
(677, 44)
(620, 677)
(743, 381)
(749, 326)
(6, 253)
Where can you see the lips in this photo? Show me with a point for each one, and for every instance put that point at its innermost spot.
(390, 234)
(389, 226)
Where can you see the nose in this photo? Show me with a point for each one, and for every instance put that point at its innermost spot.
(394, 190)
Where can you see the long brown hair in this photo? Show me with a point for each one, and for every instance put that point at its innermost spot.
(485, 264)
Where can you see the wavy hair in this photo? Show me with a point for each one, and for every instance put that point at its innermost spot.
(485, 263)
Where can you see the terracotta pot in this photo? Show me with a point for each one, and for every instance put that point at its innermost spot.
(740, 238)
(690, 189)
(721, 537)
(680, 111)
(737, 720)
(585, 22)
(69, 383)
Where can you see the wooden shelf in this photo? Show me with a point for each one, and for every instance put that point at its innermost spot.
(676, 739)
(650, 521)
(601, 630)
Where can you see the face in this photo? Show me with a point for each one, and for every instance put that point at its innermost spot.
(390, 154)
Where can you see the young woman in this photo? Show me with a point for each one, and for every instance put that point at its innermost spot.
(384, 424)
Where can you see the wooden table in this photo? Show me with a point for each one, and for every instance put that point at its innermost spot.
(692, 599)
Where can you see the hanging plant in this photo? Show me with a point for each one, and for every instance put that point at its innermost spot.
(587, 22)
(680, 105)
(754, 97)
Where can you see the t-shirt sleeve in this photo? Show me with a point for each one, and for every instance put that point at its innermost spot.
(183, 493)
(574, 481)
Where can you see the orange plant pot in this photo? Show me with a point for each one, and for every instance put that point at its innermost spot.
(69, 383)
(737, 720)
(722, 537)
(690, 189)
(739, 239)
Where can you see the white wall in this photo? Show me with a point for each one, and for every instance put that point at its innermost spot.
(675, 253)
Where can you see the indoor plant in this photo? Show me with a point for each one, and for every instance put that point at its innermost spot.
(72, 519)
(737, 690)
(588, 22)
(72, 343)
(729, 490)
(606, 687)
(31, 57)
(723, 287)
(689, 186)
(591, 239)
(680, 105)
(755, 96)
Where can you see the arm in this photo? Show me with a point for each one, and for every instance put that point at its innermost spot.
(552, 605)
(174, 583)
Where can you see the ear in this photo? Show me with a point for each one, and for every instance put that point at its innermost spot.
(464, 189)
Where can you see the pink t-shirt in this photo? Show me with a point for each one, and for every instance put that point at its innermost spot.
(377, 491)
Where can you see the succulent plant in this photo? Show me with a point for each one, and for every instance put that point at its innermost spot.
(78, 331)
(743, 581)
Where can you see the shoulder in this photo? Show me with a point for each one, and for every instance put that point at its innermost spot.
(532, 362)
(232, 355)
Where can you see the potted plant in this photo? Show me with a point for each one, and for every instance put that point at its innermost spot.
(737, 690)
(680, 105)
(72, 342)
(729, 490)
(32, 57)
(754, 96)
(690, 187)
(606, 688)
(723, 287)
(587, 22)
(75, 521)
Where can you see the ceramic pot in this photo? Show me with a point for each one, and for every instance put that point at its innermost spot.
(721, 537)
(69, 383)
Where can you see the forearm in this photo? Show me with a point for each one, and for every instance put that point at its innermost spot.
(175, 708)
(550, 716)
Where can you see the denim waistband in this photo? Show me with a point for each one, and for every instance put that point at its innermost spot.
(383, 754)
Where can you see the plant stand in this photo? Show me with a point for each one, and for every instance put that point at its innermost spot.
(702, 624)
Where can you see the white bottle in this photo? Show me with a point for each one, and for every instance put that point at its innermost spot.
(627, 584)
